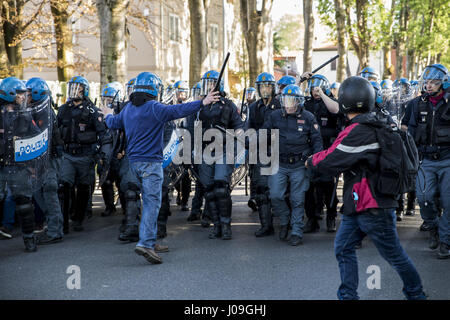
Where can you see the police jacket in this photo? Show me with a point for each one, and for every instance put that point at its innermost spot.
(430, 126)
(258, 113)
(299, 136)
(82, 128)
(13, 125)
(355, 152)
(223, 114)
(330, 123)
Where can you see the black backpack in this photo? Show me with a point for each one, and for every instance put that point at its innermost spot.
(398, 162)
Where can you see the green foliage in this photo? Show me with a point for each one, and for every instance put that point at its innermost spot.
(421, 27)
(288, 33)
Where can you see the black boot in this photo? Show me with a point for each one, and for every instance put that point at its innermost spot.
(331, 224)
(211, 207)
(131, 230)
(434, 239)
(284, 229)
(252, 204)
(311, 226)
(205, 219)
(265, 216)
(83, 194)
(108, 198)
(411, 204)
(162, 231)
(193, 216)
(226, 231)
(399, 214)
(30, 243)
(444, 251)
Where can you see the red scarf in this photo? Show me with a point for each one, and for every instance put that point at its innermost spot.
(434, 100)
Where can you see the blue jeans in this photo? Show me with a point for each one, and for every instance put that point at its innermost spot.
(150, 177)
(434, 177)
(299, 182)
(379, 225)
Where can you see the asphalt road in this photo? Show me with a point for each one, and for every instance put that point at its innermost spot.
(200, 268)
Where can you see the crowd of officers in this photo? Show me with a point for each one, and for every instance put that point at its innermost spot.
(309, 120)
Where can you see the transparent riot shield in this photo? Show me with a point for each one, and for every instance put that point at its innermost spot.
(175, 171)
(401, 95)
(26, 143)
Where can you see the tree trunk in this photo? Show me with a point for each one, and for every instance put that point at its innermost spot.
(257, 29)
(113, 60)
(63, 35)
(308, 19)
(4, 63)
(12, 28)
(199, 47)
(341, 72)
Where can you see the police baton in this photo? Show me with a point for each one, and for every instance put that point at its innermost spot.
(217, 87)
(320, 67)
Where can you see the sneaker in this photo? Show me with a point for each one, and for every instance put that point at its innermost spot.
(39, 228)
(410, 212)
(5, 233)
(444, 251)
(161, 248)
(46, 239)
(295, 240)
(399, 215)
(148, 254)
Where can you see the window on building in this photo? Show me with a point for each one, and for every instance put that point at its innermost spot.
(333, 65)
(174, 29)
(76, 28)
(214, 36)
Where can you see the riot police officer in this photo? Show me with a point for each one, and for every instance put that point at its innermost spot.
(259, 111)
(19, 169)
(370, 74)
(334, 88)
(322, 189)
(283, 82)
(430, 127)
(215, 177)
(83, 131)
(111, 97)
(47, 196)
(299, 138)
(183, 187)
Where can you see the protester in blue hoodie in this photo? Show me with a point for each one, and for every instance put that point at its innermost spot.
(143, 120)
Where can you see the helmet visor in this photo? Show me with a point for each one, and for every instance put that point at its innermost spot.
(207, 86)
(23, 98)
(75, 91)
(370, 76)
(250, 95)
(291, 103)
(265, 89)
(182, 94)
(107, 102)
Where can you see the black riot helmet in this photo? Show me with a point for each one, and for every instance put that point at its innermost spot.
(357, 95)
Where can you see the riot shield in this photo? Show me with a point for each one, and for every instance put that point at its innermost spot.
(26, 139)
(240, 168)
(397, 105)
(175, 171)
